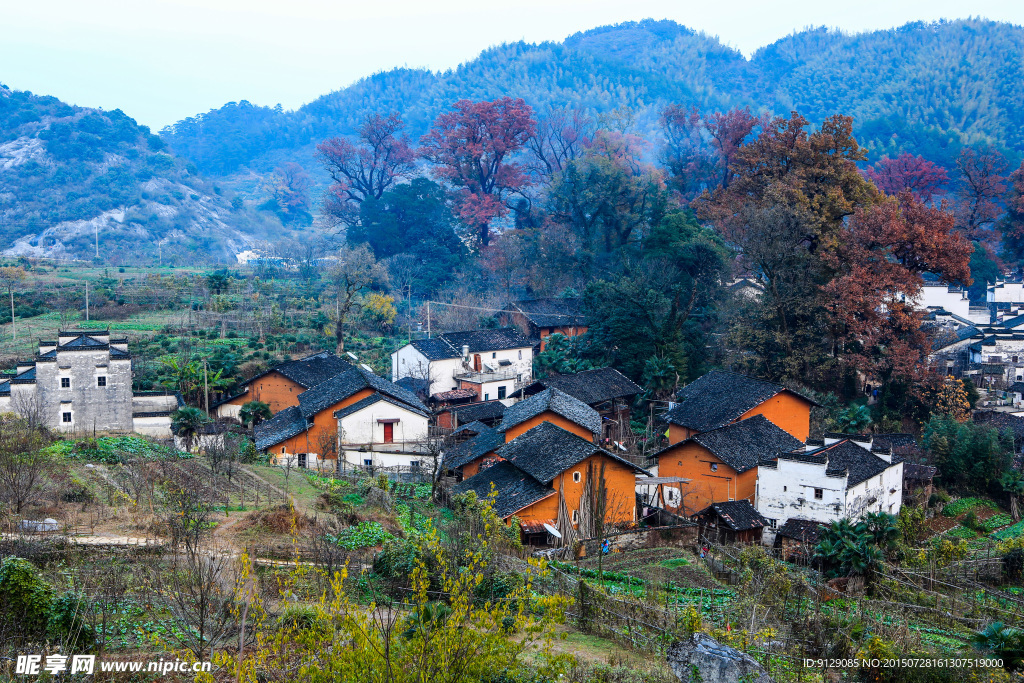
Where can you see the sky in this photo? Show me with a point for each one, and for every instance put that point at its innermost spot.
(163, 60)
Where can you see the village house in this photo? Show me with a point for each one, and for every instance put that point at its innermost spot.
(280, 386)
(549, 406)
(606, 390)
(720, 398)
(837, 479)
(453, 416)
(550, 478)
(373, 422)
(730, 522)
(719, 465)
(540, 318)
(82, 383)
(797, 539)
(492, 363)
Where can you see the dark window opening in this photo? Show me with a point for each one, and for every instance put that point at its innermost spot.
(66, 417)
(65, 382)
(819, 494)
(101, 381)
(302, 460)
(501, 393)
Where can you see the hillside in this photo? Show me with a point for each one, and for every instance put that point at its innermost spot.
(74, 177)
(924, 88)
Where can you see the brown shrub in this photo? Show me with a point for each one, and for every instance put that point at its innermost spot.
(278, 520)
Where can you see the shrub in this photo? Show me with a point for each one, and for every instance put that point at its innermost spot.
(25, 599)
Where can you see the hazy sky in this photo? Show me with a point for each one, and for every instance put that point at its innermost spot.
(163, 60)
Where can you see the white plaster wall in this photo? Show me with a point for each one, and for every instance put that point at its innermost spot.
(956, 303)
(380, 459)
(362, 427)
(788, 491)
(1009, 292)
(159, 427)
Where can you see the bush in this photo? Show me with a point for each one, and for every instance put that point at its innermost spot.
(25, 599)
(1013, 565)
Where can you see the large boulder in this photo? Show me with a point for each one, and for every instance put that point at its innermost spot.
(702, 659)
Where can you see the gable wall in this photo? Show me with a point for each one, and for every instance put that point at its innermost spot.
(787, 412)
(692, 461)
(274, 389)
(620, 483)
(553, 418)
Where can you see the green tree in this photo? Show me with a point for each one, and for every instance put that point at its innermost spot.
(1004, 642)
(970, 456)
(254, 412)
(187, 423)
(854, 420)
(25, 600)
(848, 549)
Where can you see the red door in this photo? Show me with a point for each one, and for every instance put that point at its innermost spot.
(389, 432)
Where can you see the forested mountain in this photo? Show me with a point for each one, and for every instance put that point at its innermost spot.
(75, 182)
(922, 88)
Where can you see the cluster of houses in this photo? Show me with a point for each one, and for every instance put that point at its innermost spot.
(551, 452)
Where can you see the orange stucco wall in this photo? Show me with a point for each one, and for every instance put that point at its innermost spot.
(553, 418)
(677, 433)
(692, 461)
(620, 482)
(323, 423)
(274, 389)
(571, 331)
(786, 411)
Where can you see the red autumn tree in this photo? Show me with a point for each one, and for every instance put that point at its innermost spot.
(289, 187)
(700, 149)
(872, 301)
(368, 167)
(908, 172)
(472, 147)
(561, 137)
(980, 188)
(1012, 225)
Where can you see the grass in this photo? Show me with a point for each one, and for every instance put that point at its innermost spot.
(297, 485)
(677, 562)
(964, 505)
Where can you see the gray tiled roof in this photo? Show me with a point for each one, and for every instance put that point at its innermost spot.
(449, 344)
(745, 444)
(5, 388)
(83, 342)
(343, 385)
(803, 530)
(471, 428)
(547, 450)
(312, 370)
(557, 402)
(593, 386)
(515, 489)
(718, 398)
(27, 377)
(478, 412)
(486, 441)
(738, 515)
(844, 456)
(551, 312)
(286, 424)
(372, 399)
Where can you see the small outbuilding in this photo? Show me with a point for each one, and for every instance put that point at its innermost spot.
(734, 521)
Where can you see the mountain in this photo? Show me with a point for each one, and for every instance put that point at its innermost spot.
(75, 182)
(928, 88)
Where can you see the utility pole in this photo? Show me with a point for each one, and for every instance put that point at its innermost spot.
(86, 301)
(428, 320)
(14, 330)
(206, 388)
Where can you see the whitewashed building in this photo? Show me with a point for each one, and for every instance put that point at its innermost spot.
(493, 363)
(381, 432)
(826, 482)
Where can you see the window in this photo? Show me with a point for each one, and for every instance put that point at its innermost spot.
(501, 393)
(368, 462)
(302, 460)
(282, 449)
(714, 467)
(414, 464)
(819, 494)
(576, 477)
(101, 381)
(783, 489)
(494, 355)
(65, 382)
(487, 397)
(575, 516)
(520, 354)
(772, 522)
(65, 417)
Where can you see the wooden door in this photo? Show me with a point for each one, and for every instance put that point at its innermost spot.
(389, 432)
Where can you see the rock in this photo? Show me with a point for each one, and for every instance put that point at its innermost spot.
(48, 524)
(379, 498)
(702, 659)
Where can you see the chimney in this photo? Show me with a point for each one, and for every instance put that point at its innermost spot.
(465, 350)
